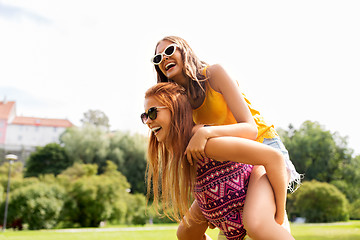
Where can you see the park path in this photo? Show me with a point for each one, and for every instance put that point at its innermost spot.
(122, 229)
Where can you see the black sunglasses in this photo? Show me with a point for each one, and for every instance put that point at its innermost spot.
(151, 113)
(169, 50)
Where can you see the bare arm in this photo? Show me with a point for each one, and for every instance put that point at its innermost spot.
(250, 152)
(245, 127)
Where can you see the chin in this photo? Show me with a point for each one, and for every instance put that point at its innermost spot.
(160, 139)
(173, 72)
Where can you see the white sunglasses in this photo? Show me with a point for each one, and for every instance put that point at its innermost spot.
(169, 50)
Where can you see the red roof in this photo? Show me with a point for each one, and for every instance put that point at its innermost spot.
(42, 122)
(5, 109)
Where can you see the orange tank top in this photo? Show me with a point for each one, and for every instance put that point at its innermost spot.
(215, 111)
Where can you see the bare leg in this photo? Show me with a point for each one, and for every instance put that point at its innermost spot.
(196, 228)
(259, 209)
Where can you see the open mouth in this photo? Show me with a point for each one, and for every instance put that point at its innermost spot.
(169, 66)
(155, 130)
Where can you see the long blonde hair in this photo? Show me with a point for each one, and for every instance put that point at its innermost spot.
(193, 68)
(169, 175)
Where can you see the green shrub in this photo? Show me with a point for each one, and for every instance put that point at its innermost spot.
(139, 218)
(136, 213)
(1, 194)
(321, 202)
(355, 210)
(39, 205)
(157, 217)
(94, 199)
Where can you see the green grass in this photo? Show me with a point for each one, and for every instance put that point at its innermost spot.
(345, 231)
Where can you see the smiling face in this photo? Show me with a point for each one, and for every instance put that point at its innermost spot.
(172, 66)
(160, 126)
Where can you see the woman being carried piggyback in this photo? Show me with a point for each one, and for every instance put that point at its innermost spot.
(218, 182)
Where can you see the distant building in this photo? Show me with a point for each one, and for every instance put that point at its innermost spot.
(23, 134)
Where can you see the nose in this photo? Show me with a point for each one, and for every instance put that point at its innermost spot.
(147, 121)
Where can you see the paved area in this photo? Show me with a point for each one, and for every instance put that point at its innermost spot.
(128, 229)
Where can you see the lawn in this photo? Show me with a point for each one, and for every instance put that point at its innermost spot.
(345, 231)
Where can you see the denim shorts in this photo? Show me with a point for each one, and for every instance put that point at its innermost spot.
(295, 177)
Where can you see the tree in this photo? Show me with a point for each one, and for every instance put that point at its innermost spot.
(93, 145)
(79, 170)
(316, 152)
(39, 205)
(133, 148)
(96, 118)
(350, 181)
(89, 144)
(50, 159)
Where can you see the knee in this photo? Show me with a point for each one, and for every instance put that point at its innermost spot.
(191, 232)
(182, 233)
(254, 226)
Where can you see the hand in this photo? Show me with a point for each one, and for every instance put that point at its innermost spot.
(196, 147)
(211, 226)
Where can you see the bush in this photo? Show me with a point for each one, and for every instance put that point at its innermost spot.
(136, 213)
(139, 218)
(38, 205)
(321, 202)
(1, 194)
(355, 210)
(94, 199)
(157, 216)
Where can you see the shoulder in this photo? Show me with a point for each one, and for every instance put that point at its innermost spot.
(215, 69)
(219, 78)
(216, 74)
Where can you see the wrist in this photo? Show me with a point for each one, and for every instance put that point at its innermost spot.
(206, 130)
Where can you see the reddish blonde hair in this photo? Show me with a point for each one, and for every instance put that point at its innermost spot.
(169, 175)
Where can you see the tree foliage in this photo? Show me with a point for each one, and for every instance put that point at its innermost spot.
(137, 210)
(350, 181)
(50, 159)
(317, 153)
(324, 156)
(77, 197)
(16, 171)
(79, 170)
(89, 144)
(95, 198)
(39, 205)
(133, 165)
(355, 210)
(93, 145)
(96, 118)
(321, 202)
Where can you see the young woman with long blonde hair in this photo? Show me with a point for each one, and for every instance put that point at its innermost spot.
(217, 181)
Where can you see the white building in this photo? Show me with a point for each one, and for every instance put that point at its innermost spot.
(18, 133)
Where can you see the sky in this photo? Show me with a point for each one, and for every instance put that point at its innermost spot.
(295, 60)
